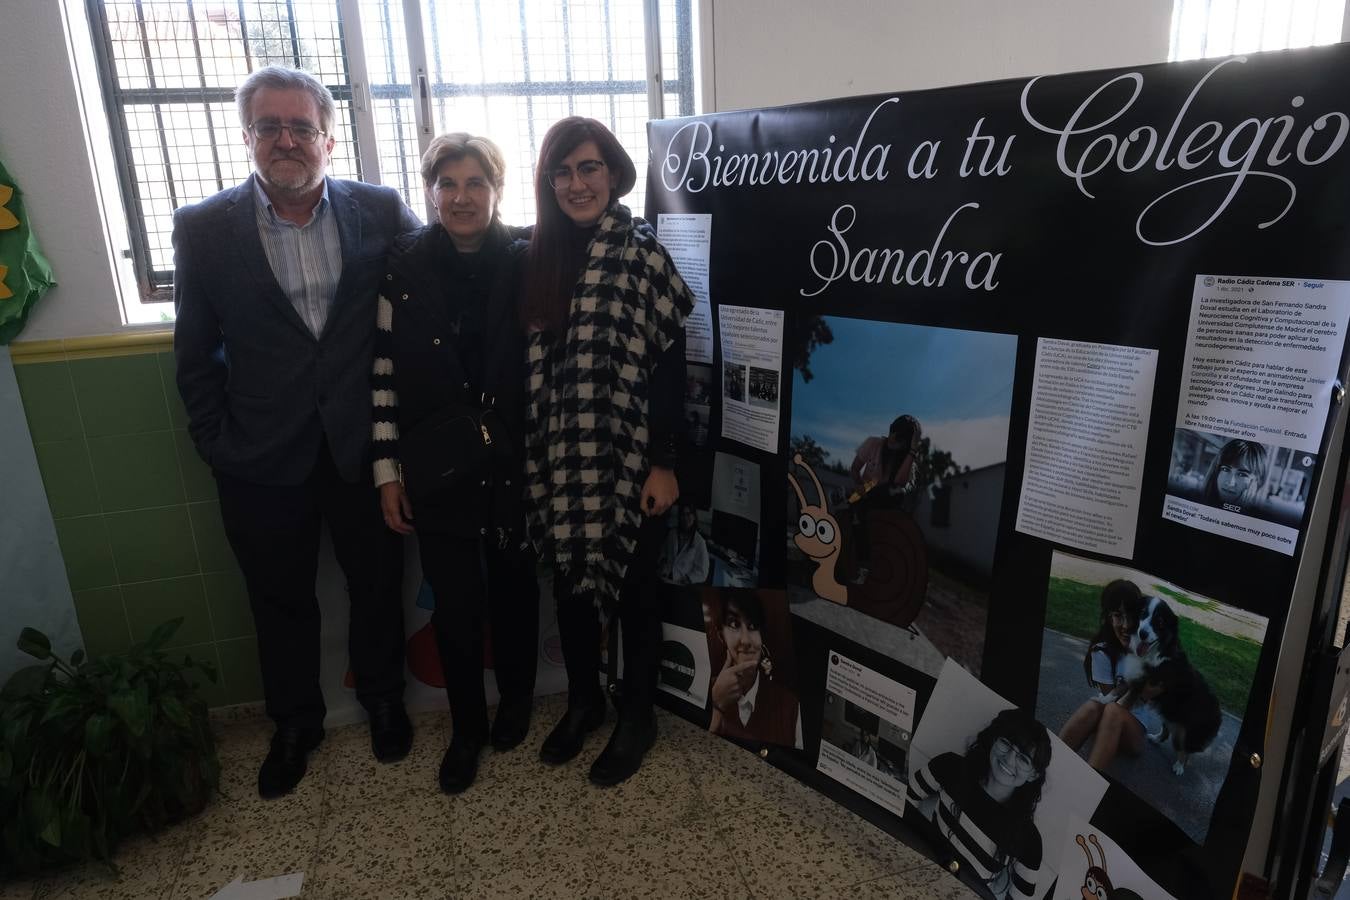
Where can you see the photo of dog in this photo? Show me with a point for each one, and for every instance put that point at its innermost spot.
(1139, 674)
(1158, 672)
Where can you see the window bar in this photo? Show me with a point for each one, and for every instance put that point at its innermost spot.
(126, 178)
(437, 64)
(399, 142)
(352, 53)
(684, 54)
(565, 11)
(525, 62)
(656, 100)
(414, 24)
(201, 76)
(609, 68)
(243, 38)
(158, 107)
(295, 34)
(482, 52)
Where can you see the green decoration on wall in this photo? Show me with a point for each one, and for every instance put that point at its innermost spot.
(25, 273)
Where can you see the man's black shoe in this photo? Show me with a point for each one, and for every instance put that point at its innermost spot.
(564, 742)
(391, 732)
(622, 756)
(459, 766)
(512, 722)
(285, 764)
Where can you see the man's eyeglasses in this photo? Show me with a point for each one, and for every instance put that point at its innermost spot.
(270, 131)
(588, 170)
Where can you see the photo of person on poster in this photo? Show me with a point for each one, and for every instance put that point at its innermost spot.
(982, 801)
(900, 481)
(1115, 729)
(1240, 476)
(752, 695)
(1092, 626)
(994, 786)
(684, 558)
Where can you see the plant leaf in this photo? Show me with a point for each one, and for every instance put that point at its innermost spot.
(133, 708)
(28, 680)
(160, 636)
(174, 711)
(35, 643)
(45, 816)
(97, 732)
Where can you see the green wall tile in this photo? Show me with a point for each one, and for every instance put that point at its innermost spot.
(150, 544)
(198, 481)
(212, 546)
(169, 378)
(136, 471)
(151, 603)
(227, 595)
(68, 478)
(120, 395)
(240, 671)
(102, 621)
(48, 401)
(87, 552)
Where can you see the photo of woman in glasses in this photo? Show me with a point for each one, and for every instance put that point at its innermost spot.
(982, 802)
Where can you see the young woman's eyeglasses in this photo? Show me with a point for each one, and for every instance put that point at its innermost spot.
(1008, 750)
(588, 170)
(270, 131)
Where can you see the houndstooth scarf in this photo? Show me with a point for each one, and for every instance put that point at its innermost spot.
(586, 415)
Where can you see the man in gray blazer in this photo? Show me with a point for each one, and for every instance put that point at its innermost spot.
(274, 284)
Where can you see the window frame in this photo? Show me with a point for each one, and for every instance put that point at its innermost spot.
(356, 99)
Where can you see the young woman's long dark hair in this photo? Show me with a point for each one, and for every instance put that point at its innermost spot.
(551, 264)
(1114, 597)
(1020, 729)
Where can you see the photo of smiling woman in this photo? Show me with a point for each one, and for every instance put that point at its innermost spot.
(749, 644)
(1240, 476)
(982, 801)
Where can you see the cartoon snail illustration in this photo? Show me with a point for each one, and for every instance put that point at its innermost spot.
(897, 582)
(1096, 883)
(819, 538)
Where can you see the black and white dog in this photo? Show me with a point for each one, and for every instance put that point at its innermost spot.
(1157, 671)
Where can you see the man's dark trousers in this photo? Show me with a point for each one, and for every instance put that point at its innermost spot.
(274, 531)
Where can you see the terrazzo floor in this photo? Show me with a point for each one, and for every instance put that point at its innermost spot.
(703, 818)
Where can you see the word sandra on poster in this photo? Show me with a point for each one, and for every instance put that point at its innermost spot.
(1085, 147)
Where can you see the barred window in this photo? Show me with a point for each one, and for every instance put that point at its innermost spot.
(1204, 28)
(401, 72)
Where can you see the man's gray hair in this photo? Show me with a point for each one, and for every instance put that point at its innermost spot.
(280, 78)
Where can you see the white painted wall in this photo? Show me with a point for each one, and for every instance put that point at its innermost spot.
(773, 52)
(44, 145)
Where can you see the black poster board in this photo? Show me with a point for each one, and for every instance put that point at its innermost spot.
(970, 355)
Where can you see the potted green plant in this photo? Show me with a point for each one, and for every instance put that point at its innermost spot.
(93, 750)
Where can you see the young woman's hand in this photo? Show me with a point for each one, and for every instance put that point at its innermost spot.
(732, 682)
(659, 491)
(396, 507)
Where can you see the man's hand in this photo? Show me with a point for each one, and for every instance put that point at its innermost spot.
(659, 491)
(396, 507)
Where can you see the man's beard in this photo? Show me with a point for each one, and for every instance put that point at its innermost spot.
(296, 179)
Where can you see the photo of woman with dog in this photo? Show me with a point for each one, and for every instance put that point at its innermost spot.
(1117, 729)
(1168, 672)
